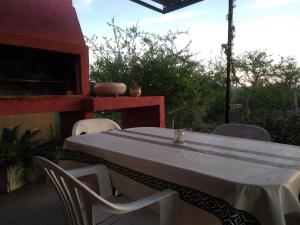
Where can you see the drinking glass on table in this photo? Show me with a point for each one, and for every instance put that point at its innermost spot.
(178, 136)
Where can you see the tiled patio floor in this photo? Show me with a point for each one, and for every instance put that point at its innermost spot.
(37, 205)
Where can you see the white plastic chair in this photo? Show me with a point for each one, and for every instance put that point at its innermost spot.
(243, 131)
(83, 206)
(88, 126)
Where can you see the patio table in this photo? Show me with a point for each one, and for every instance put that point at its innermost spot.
(220, 180)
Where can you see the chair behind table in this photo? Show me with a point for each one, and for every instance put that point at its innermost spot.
(88, 126)
(243, 131)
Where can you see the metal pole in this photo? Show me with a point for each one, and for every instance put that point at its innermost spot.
(229, 59)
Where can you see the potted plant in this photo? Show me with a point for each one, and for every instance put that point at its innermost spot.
(135, 90)
(16, 164)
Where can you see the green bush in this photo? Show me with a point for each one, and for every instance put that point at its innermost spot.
(17, 150)
(266, 92)
(271, 107)
(156, 64)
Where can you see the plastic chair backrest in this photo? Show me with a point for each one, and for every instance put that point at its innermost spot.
(88, 126)
(78, 199)
(243, 131)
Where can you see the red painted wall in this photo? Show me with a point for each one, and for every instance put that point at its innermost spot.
(45, 24)
(42, 19)
(53, 25)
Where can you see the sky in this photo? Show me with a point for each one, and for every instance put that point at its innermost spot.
(272, 25)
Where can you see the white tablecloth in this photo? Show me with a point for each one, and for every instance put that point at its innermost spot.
(237, 180)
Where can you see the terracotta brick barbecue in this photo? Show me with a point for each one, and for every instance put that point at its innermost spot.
(44, 67)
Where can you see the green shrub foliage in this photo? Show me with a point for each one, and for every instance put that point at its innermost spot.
(265, 90)
(17, 149)
(156, 64)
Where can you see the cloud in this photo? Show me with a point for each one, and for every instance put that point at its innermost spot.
(276, 34)
(164, 19)
(83, 5)
(262, 4)
(207, 38)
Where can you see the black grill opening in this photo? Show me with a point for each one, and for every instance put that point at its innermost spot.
(29, 71)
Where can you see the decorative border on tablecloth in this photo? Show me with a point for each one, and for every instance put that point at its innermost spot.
(227, 214)
(204, 151)
(251, 152)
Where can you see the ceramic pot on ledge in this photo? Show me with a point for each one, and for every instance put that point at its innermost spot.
(110, 89)
(135, 91)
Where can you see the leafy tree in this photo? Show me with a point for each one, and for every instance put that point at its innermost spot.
(287, 71)
(269, 94)
(288, 74)
(265, 93)
(157, 64)
(254, 68)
